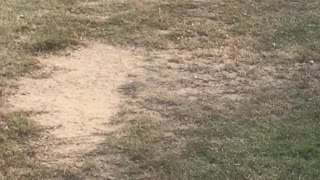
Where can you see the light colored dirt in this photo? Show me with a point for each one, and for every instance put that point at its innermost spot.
(79, 98)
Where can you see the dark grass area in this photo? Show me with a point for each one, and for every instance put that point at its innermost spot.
(274, 135)
(15, 153)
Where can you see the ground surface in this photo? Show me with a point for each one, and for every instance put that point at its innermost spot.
(143, 89)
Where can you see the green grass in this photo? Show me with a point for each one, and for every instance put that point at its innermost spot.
(272, 136)
(15, 152)
(266, 27)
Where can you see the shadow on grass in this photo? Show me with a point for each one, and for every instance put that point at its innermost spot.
(274, 135)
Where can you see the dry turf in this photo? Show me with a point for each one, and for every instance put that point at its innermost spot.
(227, 89)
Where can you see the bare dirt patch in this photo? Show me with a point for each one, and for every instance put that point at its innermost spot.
(78, 100)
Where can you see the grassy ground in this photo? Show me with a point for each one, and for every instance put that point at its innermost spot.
(231, 89)
(233, 93)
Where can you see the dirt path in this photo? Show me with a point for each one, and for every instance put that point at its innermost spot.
(78, 99)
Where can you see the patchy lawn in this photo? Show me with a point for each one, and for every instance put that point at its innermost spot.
(230, 90)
